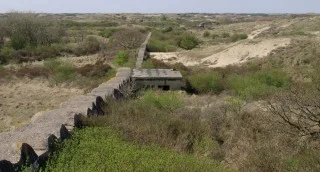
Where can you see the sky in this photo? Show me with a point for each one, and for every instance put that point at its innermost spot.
(161, 6)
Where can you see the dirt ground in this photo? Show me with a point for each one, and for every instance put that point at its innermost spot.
(20, 99)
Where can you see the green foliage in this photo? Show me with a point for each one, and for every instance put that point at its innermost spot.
(90, 46)
(237, 37)
(167, 101)
(259, 84)
(18, 42)
(102, 149)
(205, 82)
(168, 29)
(6, 53)
(62, 72)
(206, 34)
(107, 33)
(160, 46)
(188, 41)
(121, 58)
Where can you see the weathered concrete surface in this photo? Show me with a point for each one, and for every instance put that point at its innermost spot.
(45, 124)
(142, 52)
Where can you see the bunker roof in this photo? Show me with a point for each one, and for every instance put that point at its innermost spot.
(156, 74)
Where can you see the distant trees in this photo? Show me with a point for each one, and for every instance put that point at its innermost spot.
(29, 29)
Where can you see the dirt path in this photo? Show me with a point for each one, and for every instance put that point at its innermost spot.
(256, 33)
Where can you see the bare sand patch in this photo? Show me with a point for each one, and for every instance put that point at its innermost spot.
(244, 51)
(224, 55)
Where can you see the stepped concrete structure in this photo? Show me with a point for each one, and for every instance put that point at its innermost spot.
(45, 124)
(32, 143)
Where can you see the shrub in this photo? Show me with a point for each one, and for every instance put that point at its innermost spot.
(168, 29)
(160, 46)
(106, 150)
(237, 37)
(205, 82)
(107, 33)
(6, 53)
(225, 35)
(206, 34)
(121, 58)
(167, 101)
(62, 71)
(260, 84)
(188, 41)
(215, 36)
(90, 46)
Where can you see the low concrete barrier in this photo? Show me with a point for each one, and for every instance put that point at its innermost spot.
(142, 52)
(31, 144)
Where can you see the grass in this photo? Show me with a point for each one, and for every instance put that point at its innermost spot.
(121, 58)
(103, 149)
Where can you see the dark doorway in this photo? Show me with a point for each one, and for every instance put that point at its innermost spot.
(166, 88)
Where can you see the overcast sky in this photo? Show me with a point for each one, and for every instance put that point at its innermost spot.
(162, 6)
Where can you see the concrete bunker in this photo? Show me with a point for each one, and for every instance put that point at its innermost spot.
(164, 79)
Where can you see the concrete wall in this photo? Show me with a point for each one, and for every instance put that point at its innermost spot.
(142, 52)
(174, 84)
(33, 142)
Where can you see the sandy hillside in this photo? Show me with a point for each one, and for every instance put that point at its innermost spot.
(233, 54)
(20, 99)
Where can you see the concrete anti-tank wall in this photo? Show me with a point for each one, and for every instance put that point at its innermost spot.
(32, 143)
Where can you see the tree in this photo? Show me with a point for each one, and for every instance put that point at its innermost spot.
(300, 109)
(31, 29)
(128, 39)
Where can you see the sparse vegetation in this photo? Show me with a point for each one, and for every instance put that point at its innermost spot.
(121, 58)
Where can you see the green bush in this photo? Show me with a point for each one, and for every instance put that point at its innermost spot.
(206, 34)
(168, 29)
(260, 84)
(205, 82)
(102, 149)
(62, 72)
(160, 46)
(107, 33)
(188, 41)
(237, 37)
(161, 100)
(6, 53)
(121, 58)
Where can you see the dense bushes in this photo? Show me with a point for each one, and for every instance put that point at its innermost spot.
(188, 42)
(107, 33)
(237, 37)
(259, 84)
(90, 45)
(170, 41)
(27, 29)
(255, 84)
(206, 82)
(62, 71)
(84, 152)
